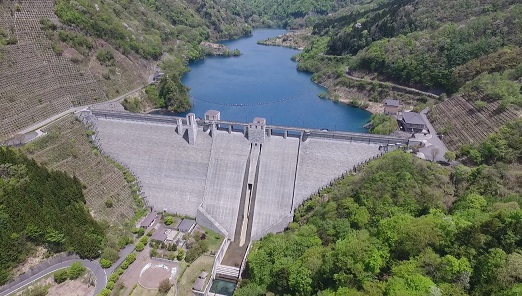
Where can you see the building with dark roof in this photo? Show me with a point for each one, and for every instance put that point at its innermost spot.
(149, 220)
(160, 234)
(199, 284)
(391, 107)
(413, 122)
(186, 225)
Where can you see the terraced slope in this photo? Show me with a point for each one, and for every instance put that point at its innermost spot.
(67, 148)
(462, 123)
(35, 82)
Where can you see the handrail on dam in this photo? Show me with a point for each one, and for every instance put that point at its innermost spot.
(271, 129)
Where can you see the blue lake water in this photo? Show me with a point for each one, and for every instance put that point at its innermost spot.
(264, 82)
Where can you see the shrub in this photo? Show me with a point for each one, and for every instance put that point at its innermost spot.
(181, 253)
(144, 240)
(76, 270)
(105, 263)
(131, 257)
(105, 292)
(105, 56)
(61, 276)
(114, 277)
(139, 247)
(140, 231)
(110, 285)
(450, 155)
(125, 264)
(169, 220)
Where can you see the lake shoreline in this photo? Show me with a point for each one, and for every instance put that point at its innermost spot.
(264, 82)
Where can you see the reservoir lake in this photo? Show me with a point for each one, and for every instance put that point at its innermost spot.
(264, 82)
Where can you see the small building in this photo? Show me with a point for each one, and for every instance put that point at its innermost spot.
(171, 235)
(149, 220)
(199, 284)
(186, 225)
(157, 76)
(413, 122)
(160, 234)
(391, 107)
(212, 115)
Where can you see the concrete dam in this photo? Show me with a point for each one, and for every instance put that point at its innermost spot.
(242, 180)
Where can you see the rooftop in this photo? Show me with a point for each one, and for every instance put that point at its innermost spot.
(212, 112)
(412, 118)
(390, 102)
(160, 234)
(149, 219)
(186, 225)
(199, 285)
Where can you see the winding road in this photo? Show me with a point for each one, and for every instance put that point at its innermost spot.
(93, 266)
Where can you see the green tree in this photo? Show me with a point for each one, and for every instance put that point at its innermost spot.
(105, 263)
(181, 254)
(76, 270)
(164, 286)
(383, 124)
(61, 276)
(174, 94)
(169, 220)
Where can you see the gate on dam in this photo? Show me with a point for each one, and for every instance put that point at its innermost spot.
(242, 180)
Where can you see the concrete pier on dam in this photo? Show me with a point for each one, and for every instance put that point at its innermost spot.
(242, 180)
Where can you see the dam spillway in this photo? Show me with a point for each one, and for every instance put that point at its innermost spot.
(225, 172)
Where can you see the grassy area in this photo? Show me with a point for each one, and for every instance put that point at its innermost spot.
(214, 241)
(189, 273)
(140, 291)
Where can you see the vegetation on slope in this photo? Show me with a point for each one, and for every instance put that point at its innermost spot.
(401, 226)
(504, 146)
(382, 124)
(40, 207)
(291, 14)
(405, 41)
(171, 30)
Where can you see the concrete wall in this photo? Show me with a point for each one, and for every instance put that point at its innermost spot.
(172, 173)
(225, 178)
(209, 174)
(322, 160)
(276, 182)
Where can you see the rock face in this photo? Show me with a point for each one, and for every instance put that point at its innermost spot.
(215, 49)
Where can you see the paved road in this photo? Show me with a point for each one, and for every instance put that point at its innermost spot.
(345, 136)
(49, 120)
(404, 88)
(433, 142)
(123, 254)
(94, 266)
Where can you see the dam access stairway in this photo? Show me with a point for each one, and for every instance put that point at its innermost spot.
(242, 180)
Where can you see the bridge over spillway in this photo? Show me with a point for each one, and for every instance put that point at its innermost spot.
(243, 180)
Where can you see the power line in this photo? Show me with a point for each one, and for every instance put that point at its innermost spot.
(252, 104)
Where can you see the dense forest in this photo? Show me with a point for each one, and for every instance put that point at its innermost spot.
(290, 13)
(405, 226)
(423, 42)
(41, 208)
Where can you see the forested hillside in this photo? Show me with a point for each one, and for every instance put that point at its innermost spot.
(39, 207)
(292, 14)
(422, 41)
(404, 226)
